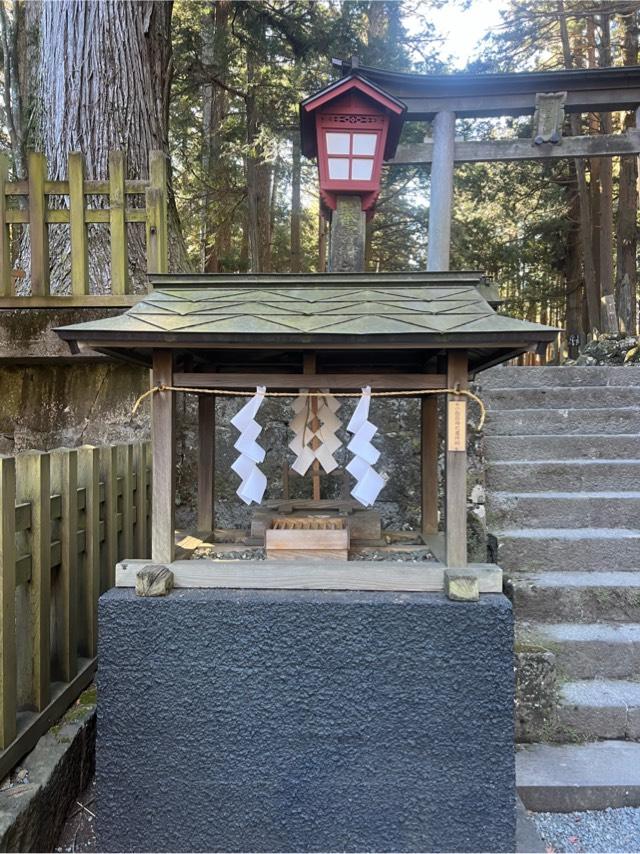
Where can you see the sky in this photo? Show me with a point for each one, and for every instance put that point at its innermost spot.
(462, 29)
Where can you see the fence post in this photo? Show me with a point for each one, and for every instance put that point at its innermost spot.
(89, 480)
(140, 498)
(64, 482)
(118, 227)
(32, 470)
(108, 475)
(38, 235)
(156, 204)
(125, 465)
(77, 226)
(6, 267)
(7, 601)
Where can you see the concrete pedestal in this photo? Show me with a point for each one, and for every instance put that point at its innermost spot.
(305, 721)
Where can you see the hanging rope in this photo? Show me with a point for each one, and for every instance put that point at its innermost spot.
(232, 393)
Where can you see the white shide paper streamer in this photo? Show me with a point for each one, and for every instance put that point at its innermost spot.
(365, 456)
(254, 482)
(303, 434)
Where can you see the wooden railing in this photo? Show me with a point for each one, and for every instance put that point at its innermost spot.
(27, 203)
(67, 517)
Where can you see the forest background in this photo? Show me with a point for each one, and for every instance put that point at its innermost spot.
(217, 86)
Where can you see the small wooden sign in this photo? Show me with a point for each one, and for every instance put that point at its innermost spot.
(457, 425)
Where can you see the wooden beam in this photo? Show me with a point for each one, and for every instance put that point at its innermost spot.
(456, 463)
(335, 382)
(8, 666)
(429, 464)
(300, 575)
(206, 461)
(74, 301)
(424, 108)
(163, 478)
(601, 145)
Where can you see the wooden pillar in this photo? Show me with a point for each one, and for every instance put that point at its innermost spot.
(206, 461)
(163, 511)
(429, 464)
(456, 462)
(441, 199)
(347, 236)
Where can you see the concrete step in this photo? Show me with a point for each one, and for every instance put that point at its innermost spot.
(588, 650)
(578, 597)
(564, 778)
(533, 422)
(543, 377)
(569, 509)
(579, 397)
(568, 549)
(564, 475)
(600, 708)
(554, 447)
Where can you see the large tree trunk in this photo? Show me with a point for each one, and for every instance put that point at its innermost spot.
(296, 208)
(216, 223)
(608, 321)
(104, 81)
(591, 288)
(626, 234)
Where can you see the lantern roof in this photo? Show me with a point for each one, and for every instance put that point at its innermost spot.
(335, 92)
(281, 313)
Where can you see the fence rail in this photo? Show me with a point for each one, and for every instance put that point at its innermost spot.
(27, 203)
(66, 518)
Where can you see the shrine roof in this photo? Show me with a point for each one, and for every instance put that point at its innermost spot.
(268, 311)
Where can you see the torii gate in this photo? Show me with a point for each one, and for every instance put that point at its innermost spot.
(441, 98)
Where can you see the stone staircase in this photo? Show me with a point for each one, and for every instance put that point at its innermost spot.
(563, 500)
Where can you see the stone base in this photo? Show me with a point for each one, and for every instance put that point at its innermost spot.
(305, 721)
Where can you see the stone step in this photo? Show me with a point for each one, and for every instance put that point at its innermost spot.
(569, 509)
(575, 777)
(579, 397)
(542, 377)
(579, 597)
(556, 447)
(588, 650)
(568, 549)
(533, 422)
(563, 475)
(600, 708)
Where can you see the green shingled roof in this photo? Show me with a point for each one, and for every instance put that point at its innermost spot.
(227, 309)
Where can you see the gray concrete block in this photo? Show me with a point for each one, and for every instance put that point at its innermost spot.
(599, 708)
(552, 375)
(568, 509)
(569, 549)
(593, 776)
(564, 475)
(579, 597)
(305, 721)
(578, 397)
(560, 447)
(532, 422)
(588, 651)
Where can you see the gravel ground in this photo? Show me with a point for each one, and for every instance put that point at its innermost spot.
(612, 830)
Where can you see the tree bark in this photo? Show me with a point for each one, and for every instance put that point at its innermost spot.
(606, 198)
(296, 209)
(626, 233)
(105, 76)
(591, 288)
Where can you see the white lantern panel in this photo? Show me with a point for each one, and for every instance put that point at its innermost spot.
(361, 170)
(364, 143)
(339, 169)
(338, 143)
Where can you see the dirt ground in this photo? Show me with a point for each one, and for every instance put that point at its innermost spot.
(79, 832)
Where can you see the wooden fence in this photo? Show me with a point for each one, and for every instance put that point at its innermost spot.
(26, 203)
(67, 517)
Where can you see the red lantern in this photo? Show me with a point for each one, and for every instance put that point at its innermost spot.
(351, 126)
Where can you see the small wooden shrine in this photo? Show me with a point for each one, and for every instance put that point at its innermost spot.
(422, 334)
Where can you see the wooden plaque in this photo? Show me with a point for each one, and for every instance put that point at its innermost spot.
(457, 425)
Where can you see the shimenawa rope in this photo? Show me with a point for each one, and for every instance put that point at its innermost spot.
(232, 393)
